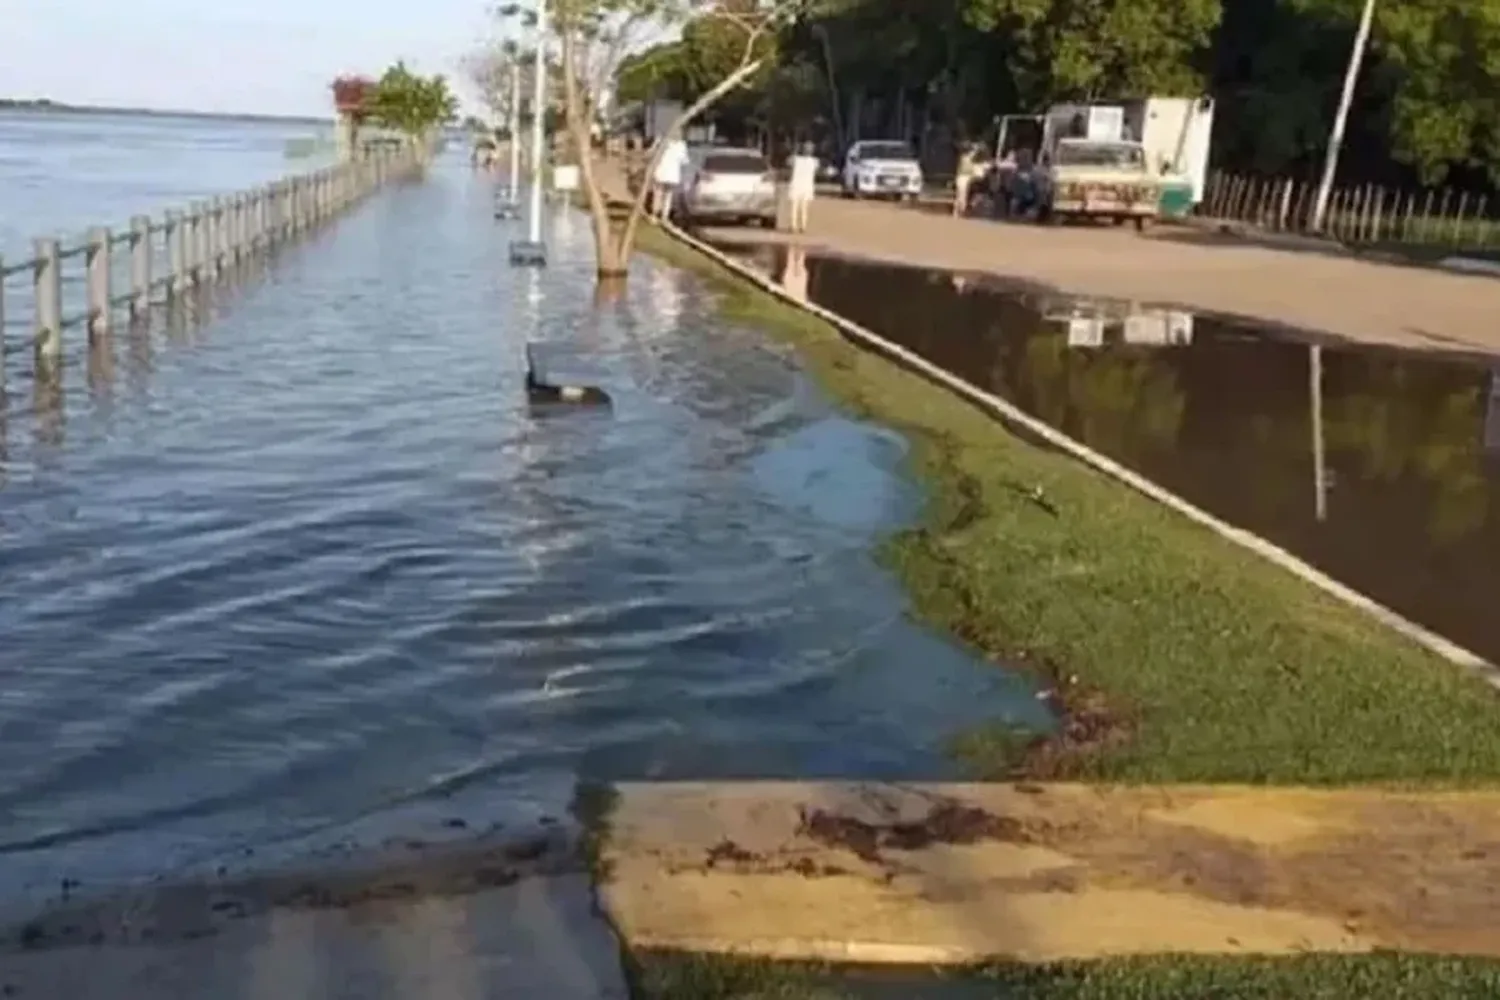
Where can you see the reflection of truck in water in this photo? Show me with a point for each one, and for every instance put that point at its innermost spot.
(1099, 324)
(1166, 164)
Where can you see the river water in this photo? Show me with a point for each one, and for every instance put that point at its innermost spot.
(313, 573)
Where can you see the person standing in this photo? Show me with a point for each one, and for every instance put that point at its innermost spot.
(963, 179)
(802, 186)
(668, 176)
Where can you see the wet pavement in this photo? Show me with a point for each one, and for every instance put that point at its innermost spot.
(1379, 466)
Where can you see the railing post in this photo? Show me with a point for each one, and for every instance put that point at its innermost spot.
(220, 245)
(193, 227)
(175, 253)
(232, 231)
(241, 227)
(47, 276)
(257, 219)
(140, 266)
(97, 274)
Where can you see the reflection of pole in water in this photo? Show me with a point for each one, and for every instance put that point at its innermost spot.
(533, 289)
(138, 353)
(47, 402)
(1320, 465)
(101, 368)
(1492, 415)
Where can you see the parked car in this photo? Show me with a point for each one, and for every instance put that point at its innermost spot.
(725, 185)
(881, 168)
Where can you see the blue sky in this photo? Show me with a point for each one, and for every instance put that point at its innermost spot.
(246, 56)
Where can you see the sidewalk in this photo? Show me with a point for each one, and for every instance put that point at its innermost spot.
(957, 873)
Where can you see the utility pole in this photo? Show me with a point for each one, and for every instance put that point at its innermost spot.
(1341, 116)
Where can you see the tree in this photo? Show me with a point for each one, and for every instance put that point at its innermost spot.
(411, 103)
(653, 73)
(593, 37)
(488, 69)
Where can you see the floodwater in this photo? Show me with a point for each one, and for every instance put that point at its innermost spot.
(312, 574)
(1379, 466)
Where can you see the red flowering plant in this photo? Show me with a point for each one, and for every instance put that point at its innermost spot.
(351, 95)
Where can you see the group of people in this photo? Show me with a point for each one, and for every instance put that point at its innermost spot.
(801, 187)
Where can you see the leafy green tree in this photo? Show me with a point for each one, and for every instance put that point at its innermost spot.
(411, 103)
(653, 73)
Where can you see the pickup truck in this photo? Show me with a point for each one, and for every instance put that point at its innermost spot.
(1099, 179)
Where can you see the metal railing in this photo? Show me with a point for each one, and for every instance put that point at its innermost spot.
(157, 262)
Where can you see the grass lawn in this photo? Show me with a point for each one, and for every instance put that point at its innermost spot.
(1176, 977)
(1178, 655)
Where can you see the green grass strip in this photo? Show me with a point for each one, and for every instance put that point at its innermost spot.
(1181, 656)
(1377, 976)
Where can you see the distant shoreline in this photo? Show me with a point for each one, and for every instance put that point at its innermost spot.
(44, 106)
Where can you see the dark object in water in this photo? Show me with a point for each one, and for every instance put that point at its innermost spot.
(525, 253)
(545, 386)
(506, 209)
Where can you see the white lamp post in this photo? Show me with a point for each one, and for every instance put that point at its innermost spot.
(532, 252)
(508, 206)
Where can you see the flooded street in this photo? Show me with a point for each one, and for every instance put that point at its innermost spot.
(314, 575)
(1379, 466)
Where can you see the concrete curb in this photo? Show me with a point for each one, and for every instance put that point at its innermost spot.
(1445, 648)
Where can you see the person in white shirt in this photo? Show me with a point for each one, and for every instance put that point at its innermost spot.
(799, 192)
(668, 176)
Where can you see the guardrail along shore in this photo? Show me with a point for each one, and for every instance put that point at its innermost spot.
(1439, 218)
(154, 262)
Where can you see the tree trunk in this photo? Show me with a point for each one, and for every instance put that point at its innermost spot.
(626, 245)
(607, 263)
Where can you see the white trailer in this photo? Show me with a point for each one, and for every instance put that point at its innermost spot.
(1177, 133)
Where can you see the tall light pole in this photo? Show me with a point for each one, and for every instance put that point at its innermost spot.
(533, 252)
(514, 126)
(508, 208)
(1341, 116)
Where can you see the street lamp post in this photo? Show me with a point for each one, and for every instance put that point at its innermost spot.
(532, 252)
(509, 205)
(1341, 116)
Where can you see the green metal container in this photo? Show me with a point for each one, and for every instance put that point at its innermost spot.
(1176, 199)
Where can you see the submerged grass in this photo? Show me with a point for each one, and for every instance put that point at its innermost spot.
(1175, 654)
(663, 976)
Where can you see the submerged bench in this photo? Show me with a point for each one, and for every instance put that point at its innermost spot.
(553, 375)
